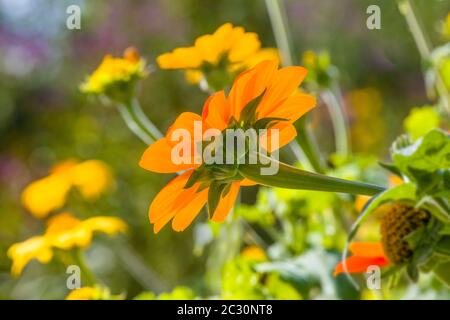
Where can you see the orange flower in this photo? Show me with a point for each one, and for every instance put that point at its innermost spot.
(365, 254)
(279, 98)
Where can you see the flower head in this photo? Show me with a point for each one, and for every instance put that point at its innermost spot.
(218, 56)
(64, 231)
(116, 77)
(90, 177)
(321, 71)
(263, 96)
(399, 221)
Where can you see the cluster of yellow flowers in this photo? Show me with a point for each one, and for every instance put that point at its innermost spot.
(229, 47)
(116, 73)
(219, 57)
(64, 231)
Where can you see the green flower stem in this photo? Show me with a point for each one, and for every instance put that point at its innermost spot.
(338, 119)
(133, 125)
(424, 49)
(277, 16)
(145, 122)
(87, 276)
(306, 142)
(293, 178)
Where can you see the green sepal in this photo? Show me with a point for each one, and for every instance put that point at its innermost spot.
(248, 113)
(215, 193)
(266, 123)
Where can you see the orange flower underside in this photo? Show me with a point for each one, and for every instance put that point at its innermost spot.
(365, 254)
(281, 99)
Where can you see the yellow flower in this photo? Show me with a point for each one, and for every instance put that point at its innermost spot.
(228, 50)
(22, 253)
(115, 72)
(64, 231)
(91, 177)
(254, 253)
(85, 293)
(93, 293)
(367, 126)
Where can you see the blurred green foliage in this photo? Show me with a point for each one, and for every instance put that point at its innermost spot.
(45, 119)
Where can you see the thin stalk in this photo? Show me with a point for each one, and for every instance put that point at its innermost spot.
(145, 122)
(133, 125)
(277, 15)
(338, 120)
(424, 48)
(85, 270)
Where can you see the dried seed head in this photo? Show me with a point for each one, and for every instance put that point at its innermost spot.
(398, 222)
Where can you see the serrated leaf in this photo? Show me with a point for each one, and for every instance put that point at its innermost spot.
(428, 154)
(391, 168)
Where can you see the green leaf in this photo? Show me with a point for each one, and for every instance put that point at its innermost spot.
(443, 246)
(428, 154)
(391, 168)
(293, 178)
(441, 272)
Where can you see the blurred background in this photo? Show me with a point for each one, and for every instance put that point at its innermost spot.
(44, 118)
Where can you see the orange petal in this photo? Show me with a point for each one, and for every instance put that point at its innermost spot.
(186, 121)
(247, 183)
(164, 200)
(158, 158)
(184, 217)
(282, 85)
(249, 85)
(215, 111)
(226, 203)
(356, 264)
(286, 133)
(367, 249)
(292, 108)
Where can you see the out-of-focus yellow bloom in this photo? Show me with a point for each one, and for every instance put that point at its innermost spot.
(22, 253)
(367, 125)
(229, 49)
(394, 180)
(64, 231)
(90, 177)
(115, 72)
(320, 70)
(92, 293)
(85, 293)
(360, 202)
(253, 253)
